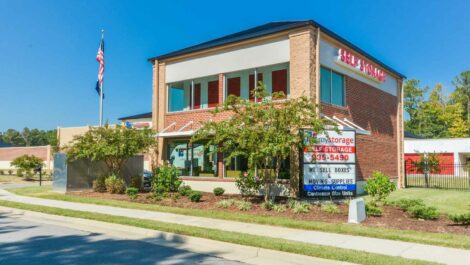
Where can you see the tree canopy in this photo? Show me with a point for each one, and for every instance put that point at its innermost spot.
(29, 137)
(434, 115)
(112, 145)
(264, 132)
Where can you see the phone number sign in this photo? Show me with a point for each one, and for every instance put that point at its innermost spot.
(329, 165)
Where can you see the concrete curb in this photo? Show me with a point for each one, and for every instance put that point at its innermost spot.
(228, 251)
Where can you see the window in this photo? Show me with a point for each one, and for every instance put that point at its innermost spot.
(200, 93)
(233, 86)
(279, 81)
(237, 165)
(331, 87)
(193, 160)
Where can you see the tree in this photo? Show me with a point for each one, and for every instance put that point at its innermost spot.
(413, 97)
(461, 93)
(13, 137)
(26, 163)
(113, 146)
(265, 132)
(30, 137)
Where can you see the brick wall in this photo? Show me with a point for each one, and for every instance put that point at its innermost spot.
(375, 111)
(8, 154)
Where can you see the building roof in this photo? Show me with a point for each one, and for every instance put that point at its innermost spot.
(412, 135)
(138, 116)
(267, 29)
(3, 144)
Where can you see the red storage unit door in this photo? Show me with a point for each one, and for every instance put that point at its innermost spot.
(279, 79)
(197, 96)
(213, 93)
(233, 86)
(253, 85)
(446, 163)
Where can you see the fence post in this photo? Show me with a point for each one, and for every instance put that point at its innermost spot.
(405, 184)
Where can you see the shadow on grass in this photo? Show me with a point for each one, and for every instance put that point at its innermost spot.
(23, 242)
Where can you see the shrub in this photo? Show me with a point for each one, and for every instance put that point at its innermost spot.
(291, 203)
(379, 186)
(279, 208)
(219, 191)
(115, 184)
(10, 172)
(1, 172)
(99, 184)
(132, 192)
(26, 163)
(185, 190)
(195, 196)
(406, 204)
(247, 183)
(19, 173)
(329, 207)
(462, 218)
(175, 196)
(225, 203)
(243, 205)
(301, 207)
(166, 178)
(268, 206)
(423, 212)
(372, 210)
(136, 182)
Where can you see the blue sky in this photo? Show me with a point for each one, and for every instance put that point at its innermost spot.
(47, 48)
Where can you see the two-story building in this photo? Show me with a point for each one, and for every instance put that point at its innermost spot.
(352, 88)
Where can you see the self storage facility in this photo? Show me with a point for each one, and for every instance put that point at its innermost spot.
(353, 88)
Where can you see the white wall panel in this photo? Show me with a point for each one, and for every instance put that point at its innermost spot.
(245, 58)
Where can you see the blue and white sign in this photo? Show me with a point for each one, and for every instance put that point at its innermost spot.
(329, 168)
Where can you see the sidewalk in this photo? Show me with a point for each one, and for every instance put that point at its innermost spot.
(373, 245)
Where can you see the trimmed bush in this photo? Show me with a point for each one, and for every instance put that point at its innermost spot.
(1, 172)
(268, 206)
(406, 204)
(99, 184)
(10, 172)
(166, 178)
(136, 182)
(219, 191)
(301, 207)
(243, 205)
(329, 207)
(247, 183)
(195, 196)
(379, 186)
(372, 210)
(279, 208)
(461, 218)
(423, 212)
(225, 203)
(115, 184)
(132, 192)
(185, 190)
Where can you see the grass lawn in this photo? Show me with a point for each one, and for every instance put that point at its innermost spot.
(11, 179)
(446, 201)
(441, 239)
(326, 252)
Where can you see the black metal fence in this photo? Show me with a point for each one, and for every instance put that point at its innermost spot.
(442, 176)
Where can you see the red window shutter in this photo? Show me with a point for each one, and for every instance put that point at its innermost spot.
(279, 79)
(233, 86)
(253, 85)
(213, 93)
(197, 96)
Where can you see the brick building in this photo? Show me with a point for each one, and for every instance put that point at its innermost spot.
(352, 88)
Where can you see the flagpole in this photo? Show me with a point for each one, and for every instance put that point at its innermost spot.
(101, 90)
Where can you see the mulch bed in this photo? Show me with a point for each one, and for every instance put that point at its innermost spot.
(392, 217)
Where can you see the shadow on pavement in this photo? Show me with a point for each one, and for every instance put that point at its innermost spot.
(27, 243)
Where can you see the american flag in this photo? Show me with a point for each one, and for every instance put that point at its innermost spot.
(100, 59)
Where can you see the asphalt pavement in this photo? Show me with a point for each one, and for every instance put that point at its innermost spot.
(29, 242)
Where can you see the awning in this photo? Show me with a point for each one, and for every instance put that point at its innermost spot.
(345, 124)
(177, 133)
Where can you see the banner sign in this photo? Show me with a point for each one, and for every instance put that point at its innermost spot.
(329, 166)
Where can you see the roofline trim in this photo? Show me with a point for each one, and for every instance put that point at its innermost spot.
(285, 28)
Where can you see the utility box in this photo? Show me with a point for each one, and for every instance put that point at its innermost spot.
(357, 211)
